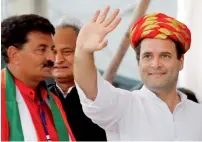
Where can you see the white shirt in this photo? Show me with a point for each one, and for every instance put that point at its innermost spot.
(141, 115)
(63, 93)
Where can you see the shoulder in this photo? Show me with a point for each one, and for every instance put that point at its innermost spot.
(195, 107)
(193, 104)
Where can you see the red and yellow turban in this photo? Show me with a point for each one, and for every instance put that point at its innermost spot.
(160, 26)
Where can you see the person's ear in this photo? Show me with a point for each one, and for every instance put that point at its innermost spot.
(13, 55)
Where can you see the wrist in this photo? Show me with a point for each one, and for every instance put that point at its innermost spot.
(80, 51)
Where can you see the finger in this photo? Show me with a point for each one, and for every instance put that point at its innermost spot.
(102, 17)
(111, 18)
(113, 25)
(95, 16)
(102, 45)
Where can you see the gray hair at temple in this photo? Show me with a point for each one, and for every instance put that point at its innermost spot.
(69, 22)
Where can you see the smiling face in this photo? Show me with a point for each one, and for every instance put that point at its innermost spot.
(65, 44)
(158, 65)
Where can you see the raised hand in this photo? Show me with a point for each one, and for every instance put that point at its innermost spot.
(92, 35)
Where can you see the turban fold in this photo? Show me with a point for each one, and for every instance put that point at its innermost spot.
(160, 26)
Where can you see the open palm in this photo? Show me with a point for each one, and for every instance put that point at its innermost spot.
(92, 35)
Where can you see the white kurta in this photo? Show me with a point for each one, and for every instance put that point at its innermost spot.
(141, 115)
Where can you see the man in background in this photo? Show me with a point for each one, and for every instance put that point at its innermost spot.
(65, 38)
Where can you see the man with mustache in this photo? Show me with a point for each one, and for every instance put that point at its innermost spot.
(158, 111)
(28, 110)
(65, 37)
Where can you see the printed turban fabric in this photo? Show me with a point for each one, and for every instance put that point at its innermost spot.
(160, 26)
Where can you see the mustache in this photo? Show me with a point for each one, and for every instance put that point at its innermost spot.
(48, 64)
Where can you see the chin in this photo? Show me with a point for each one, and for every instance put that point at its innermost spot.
(66, 77)
(62, 74)
(46, 75)
(156, 86)
(59, 75)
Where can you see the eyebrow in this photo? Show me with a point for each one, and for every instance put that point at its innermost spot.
(67, 48)
(167, 53)
(147, 53)
(44, 45)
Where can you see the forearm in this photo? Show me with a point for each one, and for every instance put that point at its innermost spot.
(91, 38)
(85, 73)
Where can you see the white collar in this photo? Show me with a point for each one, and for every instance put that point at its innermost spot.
(183, 97)
(63, 93)
(149, 94)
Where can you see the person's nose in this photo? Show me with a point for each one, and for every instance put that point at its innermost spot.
(59, 58)
(156, 62)
(50, 56)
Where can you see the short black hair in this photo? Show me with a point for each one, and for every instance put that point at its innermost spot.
(14, 30)
(177, 45)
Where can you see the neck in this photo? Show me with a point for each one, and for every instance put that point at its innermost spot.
(22, 77)
(170, 97)
(65, 84)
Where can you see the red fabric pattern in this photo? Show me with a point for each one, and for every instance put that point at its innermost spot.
(160, 26)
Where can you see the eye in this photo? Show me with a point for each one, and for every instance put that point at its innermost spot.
(41, 50)
(147, 56)
(165, 56)
(67, 52)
